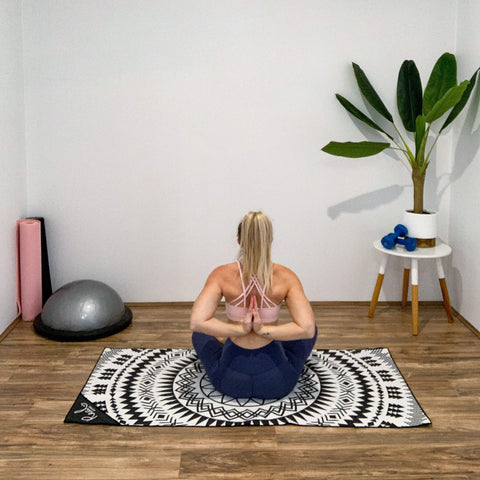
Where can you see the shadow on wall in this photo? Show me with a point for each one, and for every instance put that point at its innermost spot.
(366, 201)
(469, 139)
(468, 142)
(455, 280)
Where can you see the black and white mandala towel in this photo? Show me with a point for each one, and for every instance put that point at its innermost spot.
(169, 387)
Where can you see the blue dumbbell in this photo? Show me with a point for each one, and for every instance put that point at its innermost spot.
(390, 240)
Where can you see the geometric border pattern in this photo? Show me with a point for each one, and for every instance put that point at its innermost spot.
(169, 387)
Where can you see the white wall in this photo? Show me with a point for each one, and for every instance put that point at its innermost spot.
(12, 152)
(153, 126)
(465, 176)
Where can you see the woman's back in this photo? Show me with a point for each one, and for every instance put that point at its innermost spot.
(238, 293)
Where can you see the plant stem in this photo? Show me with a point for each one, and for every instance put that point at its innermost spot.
(418, 179)
(408, 153)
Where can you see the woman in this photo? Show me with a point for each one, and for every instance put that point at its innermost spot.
(251, 355)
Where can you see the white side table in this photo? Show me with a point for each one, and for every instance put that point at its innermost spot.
(437, 253)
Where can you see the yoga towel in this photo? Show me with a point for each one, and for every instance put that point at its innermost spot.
(33, 282)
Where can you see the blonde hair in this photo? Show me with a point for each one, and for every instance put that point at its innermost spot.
(255, 235)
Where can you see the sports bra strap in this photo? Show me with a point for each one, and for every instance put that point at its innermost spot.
(254, 283)
(241, 275)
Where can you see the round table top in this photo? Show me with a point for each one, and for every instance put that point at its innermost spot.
(440, 250)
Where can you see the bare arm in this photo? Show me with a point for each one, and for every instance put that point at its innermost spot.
(302, 324)
(202, 318)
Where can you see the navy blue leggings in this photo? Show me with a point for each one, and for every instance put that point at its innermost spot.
(271, 371)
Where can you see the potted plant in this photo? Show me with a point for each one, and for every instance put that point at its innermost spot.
(418, 110)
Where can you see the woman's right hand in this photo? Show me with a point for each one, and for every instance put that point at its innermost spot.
(247, 323)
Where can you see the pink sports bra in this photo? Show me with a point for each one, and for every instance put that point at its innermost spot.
(237, 309)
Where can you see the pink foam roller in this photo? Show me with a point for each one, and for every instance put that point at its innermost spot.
(29, 263)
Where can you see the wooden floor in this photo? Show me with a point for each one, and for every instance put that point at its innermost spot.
(39, 379)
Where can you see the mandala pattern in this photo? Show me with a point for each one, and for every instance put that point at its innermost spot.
(169, 387)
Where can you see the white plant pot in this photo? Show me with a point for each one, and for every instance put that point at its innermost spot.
(422, 226)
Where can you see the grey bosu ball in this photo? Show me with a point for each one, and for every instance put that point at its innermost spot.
(82, 310)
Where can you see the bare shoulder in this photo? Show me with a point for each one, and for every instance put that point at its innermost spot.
(285, 275)
(226, 269)
(223, 273)
(295, 297)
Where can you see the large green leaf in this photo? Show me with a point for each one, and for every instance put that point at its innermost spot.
(355, 149)
(360, 115)
(463, 101)
(442, 78)
(450, 99)
(369, 93)
(409, 94)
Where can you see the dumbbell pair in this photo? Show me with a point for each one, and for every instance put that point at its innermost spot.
(399, 237)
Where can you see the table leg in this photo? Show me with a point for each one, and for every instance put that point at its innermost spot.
(378, 286)
(414, 296)
(443, 287)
